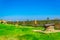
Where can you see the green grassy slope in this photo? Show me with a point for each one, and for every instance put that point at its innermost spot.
(11, 32)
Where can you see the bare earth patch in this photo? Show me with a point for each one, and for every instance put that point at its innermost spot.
(54, 31)
(7, 38)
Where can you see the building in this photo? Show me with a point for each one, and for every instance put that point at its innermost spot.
(49, 27)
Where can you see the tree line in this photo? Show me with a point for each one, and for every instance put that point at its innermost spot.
(34, 22)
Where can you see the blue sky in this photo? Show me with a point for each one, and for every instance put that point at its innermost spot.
(29, 9)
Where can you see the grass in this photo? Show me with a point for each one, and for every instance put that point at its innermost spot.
(11, 32)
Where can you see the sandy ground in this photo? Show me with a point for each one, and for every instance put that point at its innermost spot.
(54, 31)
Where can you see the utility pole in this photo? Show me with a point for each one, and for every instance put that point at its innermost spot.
(35, 22)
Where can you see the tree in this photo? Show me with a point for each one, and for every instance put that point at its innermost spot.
(47, 20)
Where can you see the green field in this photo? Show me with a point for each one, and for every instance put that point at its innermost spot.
(12, 32)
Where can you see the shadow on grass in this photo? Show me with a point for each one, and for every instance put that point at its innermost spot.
(27, 37)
